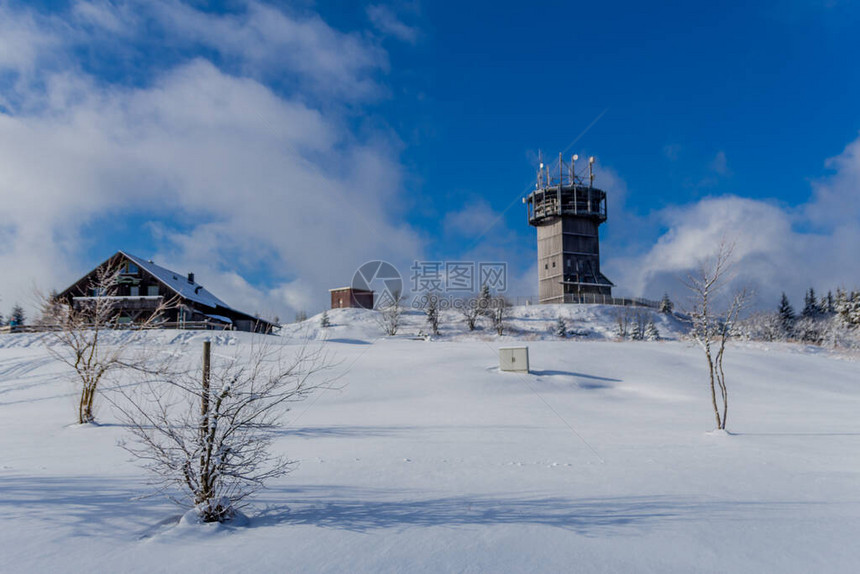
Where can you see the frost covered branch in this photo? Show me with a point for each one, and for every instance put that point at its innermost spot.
(209, 434)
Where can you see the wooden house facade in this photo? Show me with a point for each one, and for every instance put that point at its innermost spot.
(142, 286)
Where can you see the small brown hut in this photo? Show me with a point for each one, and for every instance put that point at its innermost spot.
(344, 297)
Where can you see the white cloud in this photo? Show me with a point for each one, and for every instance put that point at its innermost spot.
(836, 199)
(258, 179)
(266, 42)
(775, 249)
(25, 40)
(388, 23)
(475, 219)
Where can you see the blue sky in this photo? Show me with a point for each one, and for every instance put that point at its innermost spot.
(273, 147)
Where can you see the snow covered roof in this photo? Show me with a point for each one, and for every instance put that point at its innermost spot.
(178, 283)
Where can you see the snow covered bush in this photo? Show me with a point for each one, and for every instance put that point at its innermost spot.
(838, 334)
(499, 309)
(847, 307)
(759, 327)
(651, 332)
(633, 325)
(666, 305)
(561, 328)
(431, 310)
(471, 311)
(391, 314)
(208, 432)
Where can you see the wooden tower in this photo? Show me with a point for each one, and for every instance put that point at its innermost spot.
(567, 211)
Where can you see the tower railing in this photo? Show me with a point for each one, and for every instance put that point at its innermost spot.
(577, 200)
(589, 299)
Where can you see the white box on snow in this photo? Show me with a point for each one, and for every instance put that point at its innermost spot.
(514, 359)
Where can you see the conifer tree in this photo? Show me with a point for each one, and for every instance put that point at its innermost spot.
(561, 328)
(484, 299)
(828, 304)
(325, 322)
(17, 316)
(848, 307)
(810, 305)
(431, 309)
(651, 332)
(666, 305)
(787, 316)
(637, 333)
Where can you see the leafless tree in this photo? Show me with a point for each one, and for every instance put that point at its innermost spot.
(391, 313)
(471, 311)
(498, 310)
(77, 333)
(207, 432)
(712, 326)
(431, 310)
(622, 323)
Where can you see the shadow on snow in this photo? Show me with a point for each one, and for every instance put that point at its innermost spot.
(587, 517)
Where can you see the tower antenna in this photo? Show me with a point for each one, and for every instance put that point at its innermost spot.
(591, 171)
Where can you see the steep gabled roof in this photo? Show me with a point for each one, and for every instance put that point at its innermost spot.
(192, 292)
(179, 284)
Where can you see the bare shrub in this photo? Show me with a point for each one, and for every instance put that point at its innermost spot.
(391, 314)
(207, 432)
(471, 311)
(431, 310)
(498, 311)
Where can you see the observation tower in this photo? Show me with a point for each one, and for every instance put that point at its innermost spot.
(567, 210)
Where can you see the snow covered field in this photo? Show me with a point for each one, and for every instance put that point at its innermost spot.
(430, 460)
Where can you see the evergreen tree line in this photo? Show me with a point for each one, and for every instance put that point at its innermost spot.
(832, 319)
(636, 326)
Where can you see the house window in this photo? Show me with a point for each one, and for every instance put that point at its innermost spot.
(134, 291)
(152, 291)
